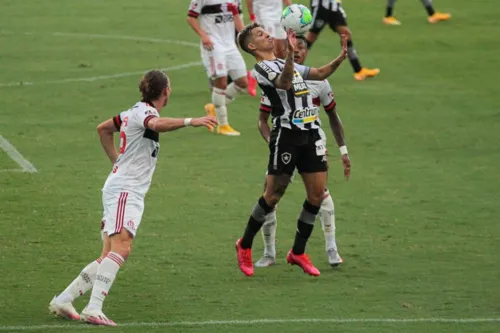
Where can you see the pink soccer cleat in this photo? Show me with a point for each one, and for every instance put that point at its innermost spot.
(244, 259)
(96, 317)
(303, 261)
(252, 84)
(63, 310)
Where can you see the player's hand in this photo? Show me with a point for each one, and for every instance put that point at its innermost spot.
(343, 52)
(291, 38)
(207, 42)
(207, 121)
(233, 8)
(347, 166)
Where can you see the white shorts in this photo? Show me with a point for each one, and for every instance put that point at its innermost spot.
(272, 25)
(222, 62)
(121, 210)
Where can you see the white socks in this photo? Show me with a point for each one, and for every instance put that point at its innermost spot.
(106, 274)
(232, 91)
(219, 100)
(269, 234)
(326, 215)
(327, 218)
(81, 284)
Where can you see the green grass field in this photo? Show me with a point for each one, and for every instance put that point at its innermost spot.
(417, 225)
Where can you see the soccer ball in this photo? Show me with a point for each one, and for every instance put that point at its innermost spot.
(296, 17)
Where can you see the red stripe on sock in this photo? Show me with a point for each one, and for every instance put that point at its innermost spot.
(99, 260)
(115, 258)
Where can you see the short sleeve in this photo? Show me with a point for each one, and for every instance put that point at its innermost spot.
(264, 74)
(303, 70)
(326, 97)
(265, 104)
(195, 8)
(144, 116)
(118, 120)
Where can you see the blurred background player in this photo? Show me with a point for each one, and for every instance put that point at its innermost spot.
(331, 12)
(267, 13)
(322, 95)
(218, 21)
(434, 17)
(123, 193)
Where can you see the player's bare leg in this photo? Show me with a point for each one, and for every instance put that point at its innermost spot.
(62, 304)
(120, 249)
(315, 184)
(360, 73)
(276, 186)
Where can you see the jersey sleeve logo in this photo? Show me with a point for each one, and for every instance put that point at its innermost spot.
(266, 71)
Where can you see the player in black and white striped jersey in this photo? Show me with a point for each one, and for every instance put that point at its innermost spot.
(331, 13)
(294, 142)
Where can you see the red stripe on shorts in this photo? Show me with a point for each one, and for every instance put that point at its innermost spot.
(120, 213)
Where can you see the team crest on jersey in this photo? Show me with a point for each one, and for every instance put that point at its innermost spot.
(286, 158)
(298, 85)
(305, 116)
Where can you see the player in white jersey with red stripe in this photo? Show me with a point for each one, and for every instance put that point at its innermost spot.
(215, 21)
(268, 14)
(124, 192)
(322, 94)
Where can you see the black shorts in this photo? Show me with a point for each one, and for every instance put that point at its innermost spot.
(303, 150)
(333, 18)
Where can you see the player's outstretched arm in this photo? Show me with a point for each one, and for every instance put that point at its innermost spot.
(171, 124)
(338, 134)
(284, 79)
(106, 130)
(325, 71)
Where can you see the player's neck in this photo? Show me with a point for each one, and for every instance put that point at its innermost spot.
(157, 104)
(265, 56)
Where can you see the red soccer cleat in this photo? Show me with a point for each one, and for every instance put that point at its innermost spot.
(252, 84)
(244, 259)
(303, 261)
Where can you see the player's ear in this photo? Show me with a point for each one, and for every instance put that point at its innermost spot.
(251, 47)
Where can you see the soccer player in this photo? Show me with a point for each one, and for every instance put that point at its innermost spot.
(218, 20)
(294, 142)
(267, 13)
(321, 94)
(433, 16)
(331, 12)
(123, 192)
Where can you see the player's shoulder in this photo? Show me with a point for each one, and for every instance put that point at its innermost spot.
(144, 109)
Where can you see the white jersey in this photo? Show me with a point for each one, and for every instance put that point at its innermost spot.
(216, 19)
(139, 147)
(268, 9)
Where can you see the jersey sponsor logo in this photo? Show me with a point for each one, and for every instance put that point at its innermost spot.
(298, 85)
(131, 225)
(271, 74)
(305, 116)
(286, 158)
(224, 18)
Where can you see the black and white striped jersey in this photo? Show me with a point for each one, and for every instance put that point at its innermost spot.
(294, 108)
(332, 5)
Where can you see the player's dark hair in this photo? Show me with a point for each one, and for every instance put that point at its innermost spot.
(152, 85)
(245, 35)
(302, 38)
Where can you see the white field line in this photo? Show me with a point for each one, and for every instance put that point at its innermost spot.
(265, 321)
(98, 78)
(104, 77)
(16, 156)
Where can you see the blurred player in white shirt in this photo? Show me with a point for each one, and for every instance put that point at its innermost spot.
(322, 94)
(221, 58)
(268, 14)
(123, 192)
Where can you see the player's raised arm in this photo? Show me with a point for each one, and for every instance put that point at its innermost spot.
(236, 10)
(250, 10)
(284, 79)
(325, 71)
(106, 130)
(192, 19)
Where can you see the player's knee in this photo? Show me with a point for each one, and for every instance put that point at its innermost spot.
(241, 83)
(123, 248)
(315, 198)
